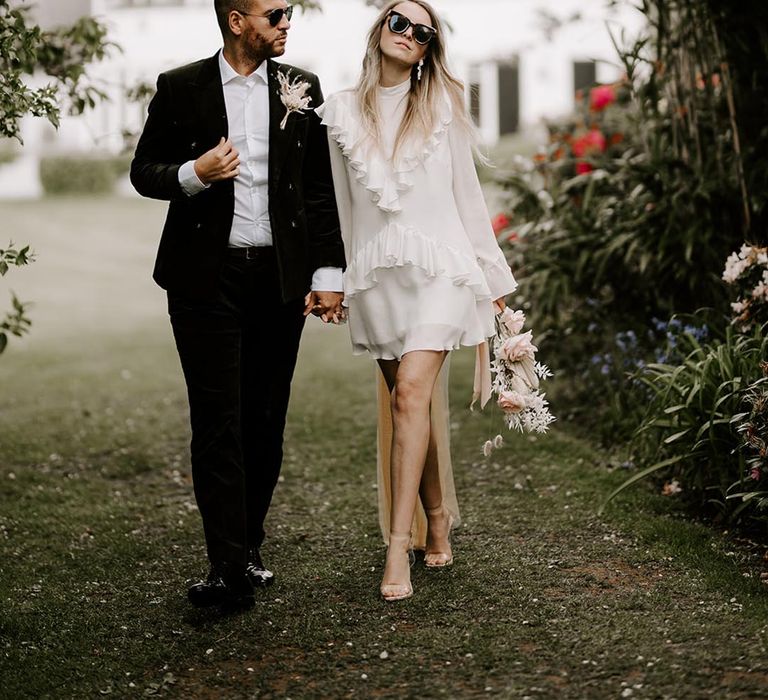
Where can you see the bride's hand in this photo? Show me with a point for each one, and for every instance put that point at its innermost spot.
(326, 305)
(499, 305)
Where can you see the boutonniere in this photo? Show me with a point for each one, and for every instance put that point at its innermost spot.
(293, 94)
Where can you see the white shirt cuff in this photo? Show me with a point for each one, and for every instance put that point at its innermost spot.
(189, 181)
(327, 279)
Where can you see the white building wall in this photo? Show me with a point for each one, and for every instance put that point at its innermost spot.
(331, 44)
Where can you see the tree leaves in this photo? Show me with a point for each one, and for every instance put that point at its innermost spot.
(63, 54)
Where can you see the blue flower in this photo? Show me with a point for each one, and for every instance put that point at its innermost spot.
(672, 340)
(605, 369)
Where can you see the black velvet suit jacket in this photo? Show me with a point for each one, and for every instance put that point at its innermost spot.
(187, 117)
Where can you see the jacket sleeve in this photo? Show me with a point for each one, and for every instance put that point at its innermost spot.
(323, 228)
(475, 218)
(153, 170)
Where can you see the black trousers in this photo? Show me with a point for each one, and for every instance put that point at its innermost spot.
(238, 352)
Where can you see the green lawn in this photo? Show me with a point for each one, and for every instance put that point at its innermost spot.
(98, 529)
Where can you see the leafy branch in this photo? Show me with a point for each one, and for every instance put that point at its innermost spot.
(62, 54)
(16, 322)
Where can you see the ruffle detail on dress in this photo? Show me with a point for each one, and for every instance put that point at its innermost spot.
(384, 181)
(397, 246)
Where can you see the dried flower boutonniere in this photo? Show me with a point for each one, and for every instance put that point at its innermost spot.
(293, 94)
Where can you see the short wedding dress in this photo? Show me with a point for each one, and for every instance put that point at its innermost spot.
(423, 264)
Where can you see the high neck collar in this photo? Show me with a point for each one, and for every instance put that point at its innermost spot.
(395, 90)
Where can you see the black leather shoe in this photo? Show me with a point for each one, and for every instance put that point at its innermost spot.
(258, 574)
(225, 586)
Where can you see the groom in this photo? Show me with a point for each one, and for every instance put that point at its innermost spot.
(251, 245)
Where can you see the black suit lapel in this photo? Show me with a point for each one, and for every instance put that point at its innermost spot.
(209, 102)
(279, 139)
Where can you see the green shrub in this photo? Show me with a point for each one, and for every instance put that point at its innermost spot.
(629, 212)
(9, 151)
(691, 429)
(63, 175)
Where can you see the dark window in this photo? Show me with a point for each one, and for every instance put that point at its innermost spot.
(509, 98)
(584, 75)
(474, 102)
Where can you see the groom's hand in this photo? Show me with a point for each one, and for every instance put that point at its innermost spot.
(326, 305)
(220, 163)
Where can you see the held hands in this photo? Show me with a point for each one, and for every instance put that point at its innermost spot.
(220, 163)
(326, 305)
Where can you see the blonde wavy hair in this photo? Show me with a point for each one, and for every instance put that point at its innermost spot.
(437, 82)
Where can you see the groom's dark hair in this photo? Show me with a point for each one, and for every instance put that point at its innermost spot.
(224, 7)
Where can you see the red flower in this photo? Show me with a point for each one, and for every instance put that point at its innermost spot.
(592, 142)
(582, 167)
(499, 223)
(600, 97)
(618, 137)
(512, 237)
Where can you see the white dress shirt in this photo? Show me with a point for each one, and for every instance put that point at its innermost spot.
(247, 103)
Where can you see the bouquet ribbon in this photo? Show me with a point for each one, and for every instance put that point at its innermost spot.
(483, 382)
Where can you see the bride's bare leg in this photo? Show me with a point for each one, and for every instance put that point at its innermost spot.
(412, 387)
(438, 551)
(430, 490)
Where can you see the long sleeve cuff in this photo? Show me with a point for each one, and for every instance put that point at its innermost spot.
(499, 277)
(327, 279)
(189, 181)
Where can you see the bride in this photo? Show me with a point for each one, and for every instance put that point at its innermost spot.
(424, 269)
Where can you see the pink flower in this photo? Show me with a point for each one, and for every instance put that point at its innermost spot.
(754, 473)
(499, 223)
(592, 142)
(600, 97)
(518, 347)
(511, 401)
(513, 320)
(582, 167)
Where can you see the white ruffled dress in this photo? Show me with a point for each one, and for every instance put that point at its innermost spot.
(423, 264)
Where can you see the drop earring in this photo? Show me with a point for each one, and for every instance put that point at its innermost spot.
(418, 70)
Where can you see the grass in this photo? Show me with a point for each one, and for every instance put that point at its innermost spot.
(98, 529)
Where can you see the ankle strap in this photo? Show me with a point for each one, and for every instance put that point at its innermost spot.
(434, 511)
(399, 535)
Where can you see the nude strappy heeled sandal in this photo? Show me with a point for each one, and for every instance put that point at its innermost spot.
(438, 560)
(398, 591)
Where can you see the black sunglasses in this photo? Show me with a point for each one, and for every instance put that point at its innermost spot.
(398, 24)
(274, 17)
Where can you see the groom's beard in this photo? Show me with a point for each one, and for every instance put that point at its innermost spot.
(259, 47)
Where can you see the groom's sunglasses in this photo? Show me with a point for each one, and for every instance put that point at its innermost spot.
(398, 24)
(274, 17)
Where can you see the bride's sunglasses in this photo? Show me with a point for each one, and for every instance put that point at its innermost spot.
(274, 17)
(398, 24)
